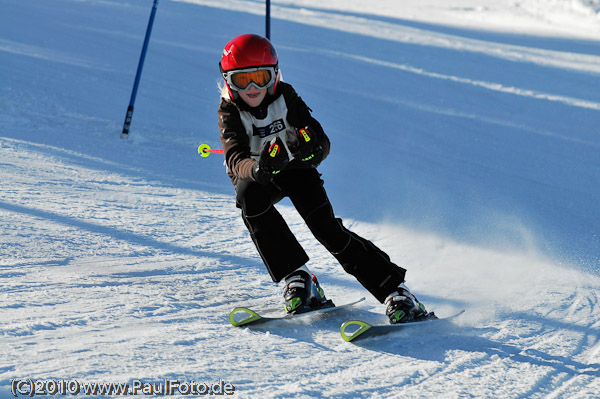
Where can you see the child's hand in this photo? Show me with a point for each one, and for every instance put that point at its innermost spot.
(305, 146)
(273, 158)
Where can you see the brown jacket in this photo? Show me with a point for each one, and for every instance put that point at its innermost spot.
(244, 130)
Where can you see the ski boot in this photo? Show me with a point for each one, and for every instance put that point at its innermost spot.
(403, 307)
(302, 293)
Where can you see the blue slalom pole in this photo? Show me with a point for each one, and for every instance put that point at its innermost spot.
(129, 114)
(268, 20)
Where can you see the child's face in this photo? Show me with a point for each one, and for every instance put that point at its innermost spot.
(253, 96)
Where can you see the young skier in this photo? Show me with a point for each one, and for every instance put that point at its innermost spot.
(272, 147)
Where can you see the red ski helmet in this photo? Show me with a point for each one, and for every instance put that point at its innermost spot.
(249, 52)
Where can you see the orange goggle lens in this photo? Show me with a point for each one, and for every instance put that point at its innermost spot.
(260, 78)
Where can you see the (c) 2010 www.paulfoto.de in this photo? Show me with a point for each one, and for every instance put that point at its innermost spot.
(168, 387)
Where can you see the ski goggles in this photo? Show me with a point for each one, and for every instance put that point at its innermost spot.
(241, 79)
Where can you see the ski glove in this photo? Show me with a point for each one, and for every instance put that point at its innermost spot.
(305, 146)
(273, 158)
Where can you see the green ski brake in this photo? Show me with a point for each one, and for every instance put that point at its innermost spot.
(353, 328)
(240, 316)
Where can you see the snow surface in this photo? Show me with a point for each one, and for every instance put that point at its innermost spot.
(465, 144)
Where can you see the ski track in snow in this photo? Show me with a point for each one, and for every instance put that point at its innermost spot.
(121, 260)
(487, 85)
(405, 34)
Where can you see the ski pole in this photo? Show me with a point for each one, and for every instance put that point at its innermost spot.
(204, 150)
(129, 114)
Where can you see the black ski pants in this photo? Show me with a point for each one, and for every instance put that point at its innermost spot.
(280, 250)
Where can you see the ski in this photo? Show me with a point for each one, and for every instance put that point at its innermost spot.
(354, 330)
(242, 316)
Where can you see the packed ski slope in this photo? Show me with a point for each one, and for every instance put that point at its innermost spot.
(465, 144)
